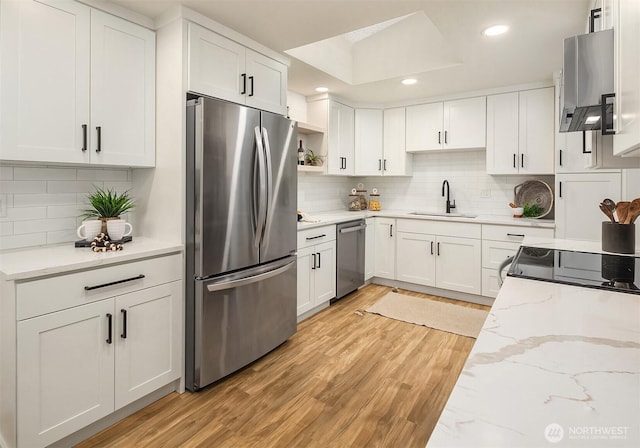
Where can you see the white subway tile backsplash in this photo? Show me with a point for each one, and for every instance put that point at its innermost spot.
(42, 173)
(44, 204)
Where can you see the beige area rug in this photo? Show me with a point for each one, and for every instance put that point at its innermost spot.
(456, 319)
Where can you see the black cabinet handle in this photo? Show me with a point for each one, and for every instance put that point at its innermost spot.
(110, 320)
(594, 14)
(603, 114)
(445, 137)
(314, 261)
(431, 247)
(439, 142)
(345, 163)
(514, 160)
(124, 324)
(438, 248)
(521, 160)
(516, 234)
(84, 137)
(319, 260)
(391, 230)
(244, 84)
(384, 165)
(99, 135)
(584, 143)
(560, 188)
(315, 237)
(561, 157)
(251, 82)
(379, 164)
(104, 285)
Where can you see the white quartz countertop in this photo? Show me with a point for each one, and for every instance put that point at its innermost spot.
(553, 365)
(56, 259)
(338, 216)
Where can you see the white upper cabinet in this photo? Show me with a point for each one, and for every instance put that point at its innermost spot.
(222, 68)
(521, 132)
(456, 124)
(339, 140)
(78, 86)
(626, 19)
(369, 153)
(396, 161)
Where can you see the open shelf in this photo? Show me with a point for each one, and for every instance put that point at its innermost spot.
(307, 128)
(311, 169)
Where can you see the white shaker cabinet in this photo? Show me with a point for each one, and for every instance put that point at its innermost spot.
(369, 248)
(416, 261)
(369, 154)
(338, 144)
(316, 267)
(385, 255)
(78, 86)
(577, 215)
(456, 124)
(396, 161)
(222, 68)
(521, 132)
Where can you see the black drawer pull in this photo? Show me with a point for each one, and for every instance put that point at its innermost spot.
(315, 237)
(104, 285)
(110, 320)
(124, 324)
(516, 234)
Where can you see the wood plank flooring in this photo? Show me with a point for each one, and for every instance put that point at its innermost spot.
(346, 379)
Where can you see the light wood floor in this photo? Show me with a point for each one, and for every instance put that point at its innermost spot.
(345, 379)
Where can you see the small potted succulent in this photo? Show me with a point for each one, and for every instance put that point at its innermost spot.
(106, 204)
(312, 158)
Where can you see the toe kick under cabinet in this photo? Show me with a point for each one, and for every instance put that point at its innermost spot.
(88, 343)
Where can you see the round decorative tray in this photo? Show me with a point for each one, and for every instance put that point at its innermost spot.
(534, 192)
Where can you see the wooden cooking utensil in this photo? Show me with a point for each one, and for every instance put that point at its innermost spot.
(607, 212)
(633, 212)
(610, 205)
(622, 209)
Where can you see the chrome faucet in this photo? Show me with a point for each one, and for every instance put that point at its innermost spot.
(449, 204)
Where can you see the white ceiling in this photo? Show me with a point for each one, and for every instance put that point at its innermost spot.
(531, 51)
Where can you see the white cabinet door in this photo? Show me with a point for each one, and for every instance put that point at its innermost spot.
(490, 283)
(396, 161)
(626, 18)
(571, 152)
(216, 65)
(416, 261)
(122, 92)
(536, 131)
(45, 80)
(325, 272)
(424, 127)
(65, 372)
(464, 123)
(305, 279)
(369, 159)
(577, 214)
(340, 139)
(458, 264)
(369, 248)
(266, 83)
(385, 257)
(502, 133)
(148, 336)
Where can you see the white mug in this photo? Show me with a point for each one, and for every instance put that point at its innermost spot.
(91, 229)
(116, 229)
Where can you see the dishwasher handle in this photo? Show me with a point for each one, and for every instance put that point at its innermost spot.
(353, 229)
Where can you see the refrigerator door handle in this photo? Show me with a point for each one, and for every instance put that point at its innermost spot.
(262, 199)
(269, 202)
(251, 279)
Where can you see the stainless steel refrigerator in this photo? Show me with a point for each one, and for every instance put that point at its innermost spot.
(240, 237)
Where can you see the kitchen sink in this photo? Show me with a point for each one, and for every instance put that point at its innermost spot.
(446, 215)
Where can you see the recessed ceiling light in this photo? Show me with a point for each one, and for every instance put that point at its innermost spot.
(592, 119)
(495, 30)
(409, 81)
(322, 89)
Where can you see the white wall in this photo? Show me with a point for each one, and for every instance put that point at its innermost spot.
(44, 204)
(473, 189)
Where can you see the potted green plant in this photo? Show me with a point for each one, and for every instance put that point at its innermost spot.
(312, 159)
(106, 204)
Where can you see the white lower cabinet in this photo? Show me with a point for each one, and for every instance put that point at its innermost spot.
(440, 254)
(385, 243)
(99, 349)
(369, 248)
(316, 267)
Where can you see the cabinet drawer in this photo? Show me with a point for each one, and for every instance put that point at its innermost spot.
(38, 297)
(495, 252)
(311, 237)
(513, 233)
(446, 228)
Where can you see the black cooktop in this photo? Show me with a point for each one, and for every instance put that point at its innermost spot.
(620, 273)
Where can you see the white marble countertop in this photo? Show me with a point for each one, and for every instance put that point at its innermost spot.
(60, 258)
(553, 365)
(334, 217)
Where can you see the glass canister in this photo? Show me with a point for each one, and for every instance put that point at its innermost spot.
(374, 200)
(361, 197)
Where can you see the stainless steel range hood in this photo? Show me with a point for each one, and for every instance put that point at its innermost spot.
(588, 82)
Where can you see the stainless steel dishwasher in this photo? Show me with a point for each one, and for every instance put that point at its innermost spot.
(350, 257)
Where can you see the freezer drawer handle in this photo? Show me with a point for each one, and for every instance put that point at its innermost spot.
(117, 282)
(248, 280)
(315, 237)
(353, 229)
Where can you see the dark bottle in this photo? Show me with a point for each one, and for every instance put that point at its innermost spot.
(300, 154)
